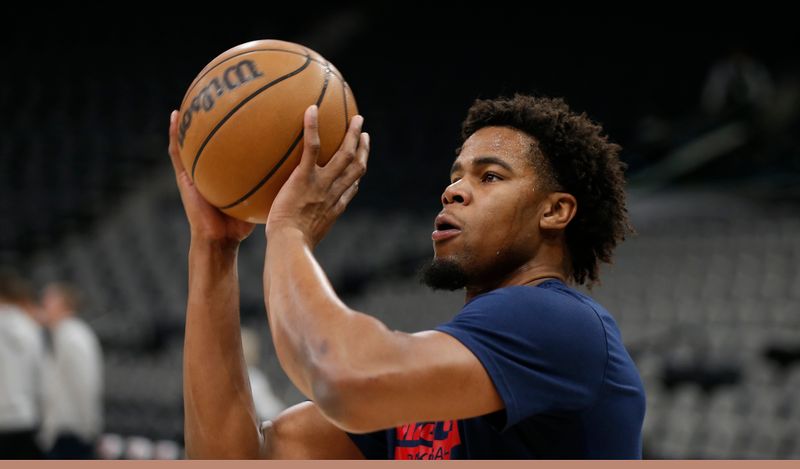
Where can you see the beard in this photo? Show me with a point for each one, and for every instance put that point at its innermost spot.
(443, 274)
(468, 271)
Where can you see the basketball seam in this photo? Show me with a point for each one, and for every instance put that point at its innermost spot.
(288, 153)
(204, 73)
(238, 106)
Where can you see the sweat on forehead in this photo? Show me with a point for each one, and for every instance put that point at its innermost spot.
(499, 138)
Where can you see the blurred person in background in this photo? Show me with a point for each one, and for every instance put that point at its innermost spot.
(268, 406)
(21, 367)
(74, 376)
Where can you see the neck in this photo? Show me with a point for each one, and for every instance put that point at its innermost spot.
(528, 274)
(58, 317)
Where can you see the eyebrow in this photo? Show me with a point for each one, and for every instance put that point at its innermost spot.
(483, 161)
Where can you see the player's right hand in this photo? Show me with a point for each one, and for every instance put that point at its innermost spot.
(207, 222)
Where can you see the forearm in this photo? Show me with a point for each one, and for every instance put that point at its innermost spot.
(316, 336)
(299, 299)
(220, 419)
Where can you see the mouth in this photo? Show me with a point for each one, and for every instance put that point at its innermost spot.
(445, 228)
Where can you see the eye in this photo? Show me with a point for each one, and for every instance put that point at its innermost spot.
(490, 177)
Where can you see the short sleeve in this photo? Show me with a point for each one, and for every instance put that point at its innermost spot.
(545, 352)
(373, 445)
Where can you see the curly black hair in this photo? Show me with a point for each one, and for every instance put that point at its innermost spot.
(576, 157)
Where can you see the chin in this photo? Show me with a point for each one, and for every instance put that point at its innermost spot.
(447, 251)
(444, 273)
(450, 257)
(462, 259)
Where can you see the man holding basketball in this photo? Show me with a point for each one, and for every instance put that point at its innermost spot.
(529, 368)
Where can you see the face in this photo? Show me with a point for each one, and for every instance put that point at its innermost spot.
(54, 304)
(489, 224)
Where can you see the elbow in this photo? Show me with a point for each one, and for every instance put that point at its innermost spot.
(234, 445)
(351, 384)
(341, 397)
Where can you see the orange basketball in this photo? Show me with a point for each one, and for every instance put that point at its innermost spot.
(240, 127)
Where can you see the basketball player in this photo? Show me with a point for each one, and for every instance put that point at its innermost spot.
(529, 368)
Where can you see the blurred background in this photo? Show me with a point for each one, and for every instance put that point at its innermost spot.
(707, 295)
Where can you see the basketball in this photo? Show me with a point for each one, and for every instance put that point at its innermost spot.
(240, 124)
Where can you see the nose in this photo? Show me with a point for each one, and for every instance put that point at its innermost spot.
(456, 193)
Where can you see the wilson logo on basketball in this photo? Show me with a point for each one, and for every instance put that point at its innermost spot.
(232, 78)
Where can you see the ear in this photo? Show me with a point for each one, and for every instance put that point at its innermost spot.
(558, 210)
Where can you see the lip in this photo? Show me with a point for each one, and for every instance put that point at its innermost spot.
(441, 235)
(451, 232)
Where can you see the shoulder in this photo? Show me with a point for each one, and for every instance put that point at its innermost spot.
(550, 304)
(75, 328)
(20, 324)
(76, 333)
(544, 346)
(23, 334)
(547, 321)
(548, 316)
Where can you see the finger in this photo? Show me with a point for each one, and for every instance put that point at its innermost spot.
(355, 170)
(348, 180)
(347, 151)
(345, 199)
(311, 145)
(174, 153)
(363, 149)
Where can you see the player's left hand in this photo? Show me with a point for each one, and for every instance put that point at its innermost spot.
(315, 196)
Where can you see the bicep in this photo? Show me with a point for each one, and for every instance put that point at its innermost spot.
(302, 432)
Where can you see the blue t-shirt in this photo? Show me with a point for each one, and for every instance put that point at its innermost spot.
(570, 389)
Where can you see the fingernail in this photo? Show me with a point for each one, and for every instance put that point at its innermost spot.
(172, 116)
(313, 110)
